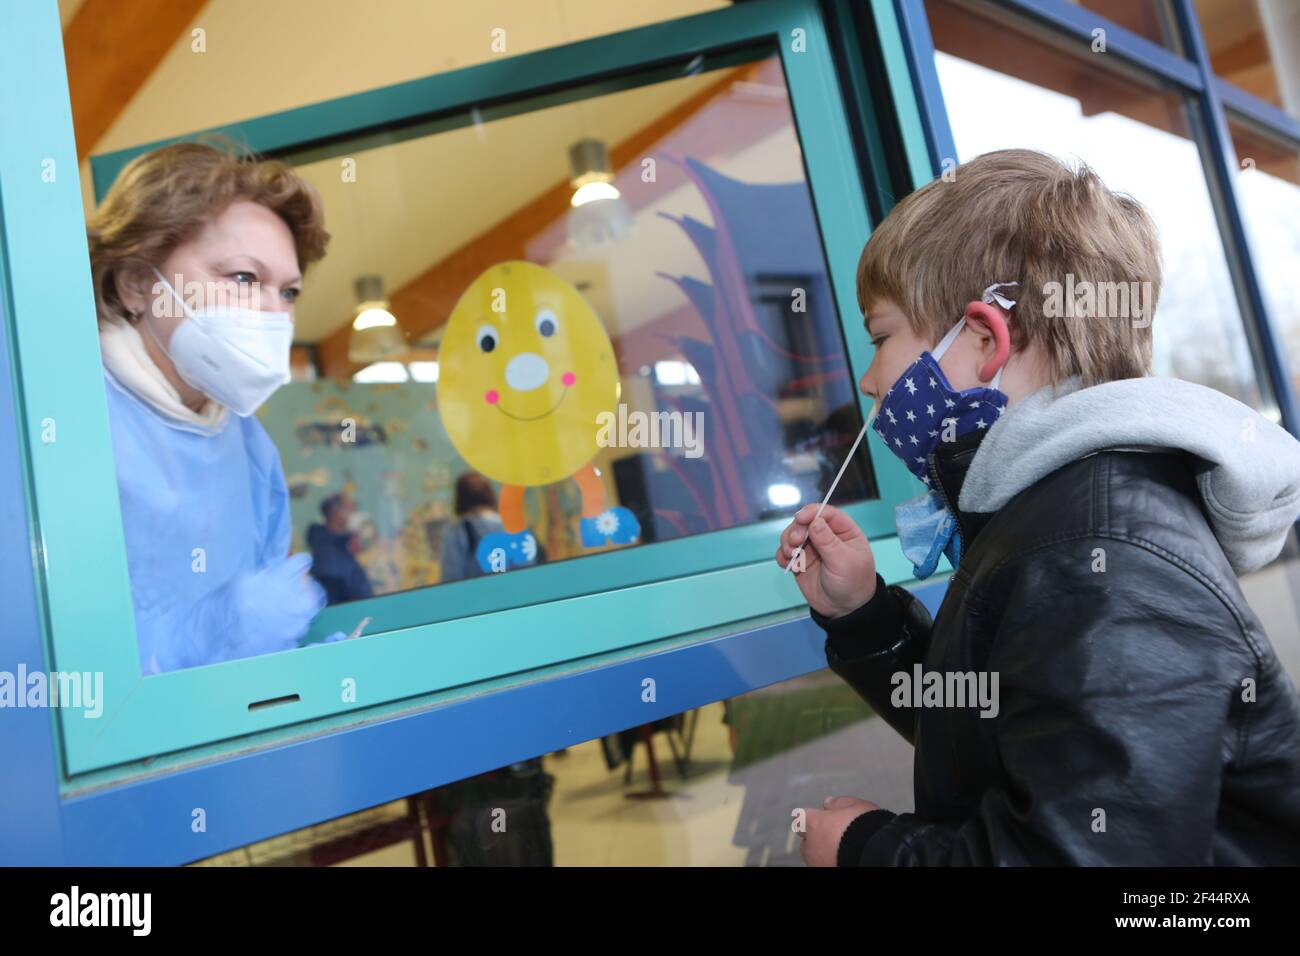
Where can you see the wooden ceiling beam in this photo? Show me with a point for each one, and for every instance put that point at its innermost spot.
(111, 48)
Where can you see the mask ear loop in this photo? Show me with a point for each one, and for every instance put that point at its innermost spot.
(187, 315)
(185, 309)
(948, 339)
(148, 320)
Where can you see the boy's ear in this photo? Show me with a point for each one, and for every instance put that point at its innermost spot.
(990, 318)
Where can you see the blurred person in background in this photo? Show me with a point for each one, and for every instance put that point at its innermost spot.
(476, 508)
(334, 547)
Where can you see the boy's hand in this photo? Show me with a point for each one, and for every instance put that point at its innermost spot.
(820, 845)
(839, 573)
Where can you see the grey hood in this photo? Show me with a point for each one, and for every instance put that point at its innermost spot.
(1248, 473)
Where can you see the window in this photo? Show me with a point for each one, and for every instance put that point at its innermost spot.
(1139, 139)
(1255, 45)
(1151, 19)
(727, 360)
(716, 227)
(1269, 189)
(234, 59)
(561, 376)
(727, 780)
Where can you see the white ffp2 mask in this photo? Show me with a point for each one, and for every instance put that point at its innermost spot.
(235, 355)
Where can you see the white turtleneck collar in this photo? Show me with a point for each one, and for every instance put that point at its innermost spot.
(130, 366)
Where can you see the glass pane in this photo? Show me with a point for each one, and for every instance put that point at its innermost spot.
(725, 396)
(1274, 595)
(726, 781)
(1006, 89)
(1269, 189)
(596, 320)
(242, 58)
(1255, 44)
(1147, 18)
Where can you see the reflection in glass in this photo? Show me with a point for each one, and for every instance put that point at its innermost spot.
(616, 309)
(1139, 141)
(715, 786)
(1152, 19)
(1274, 595)
(1255, 45)
(1269, 189)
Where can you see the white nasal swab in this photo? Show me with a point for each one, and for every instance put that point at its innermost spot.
(847, 458)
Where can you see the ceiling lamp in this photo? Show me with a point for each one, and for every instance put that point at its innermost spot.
(599, 213)
(376, 335)
(382, 373)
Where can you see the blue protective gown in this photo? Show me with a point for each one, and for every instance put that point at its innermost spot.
(202, 514)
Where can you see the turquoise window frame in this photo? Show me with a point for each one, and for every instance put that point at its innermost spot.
(649, 593)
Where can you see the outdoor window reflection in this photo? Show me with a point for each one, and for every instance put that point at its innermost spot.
(1139, 141)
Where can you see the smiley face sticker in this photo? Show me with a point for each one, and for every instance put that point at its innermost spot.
(526, 368)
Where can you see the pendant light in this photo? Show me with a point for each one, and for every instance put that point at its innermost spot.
(376, 336)
(599, 214)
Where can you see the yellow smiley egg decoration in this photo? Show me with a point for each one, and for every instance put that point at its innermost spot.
(525, 368)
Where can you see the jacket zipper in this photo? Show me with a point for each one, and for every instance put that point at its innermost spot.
(937, 485)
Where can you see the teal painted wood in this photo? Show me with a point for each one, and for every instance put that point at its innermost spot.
(903, 91)
(632, 598)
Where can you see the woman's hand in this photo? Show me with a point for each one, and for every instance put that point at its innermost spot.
(274, 607)
(839, 573)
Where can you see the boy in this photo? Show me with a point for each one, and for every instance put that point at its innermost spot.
(1098, 519)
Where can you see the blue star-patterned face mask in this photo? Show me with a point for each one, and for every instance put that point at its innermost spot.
(920, 410)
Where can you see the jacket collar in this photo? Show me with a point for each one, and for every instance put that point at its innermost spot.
(949, 463)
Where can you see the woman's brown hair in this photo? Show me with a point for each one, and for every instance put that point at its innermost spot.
(162, 198)
(473, 491)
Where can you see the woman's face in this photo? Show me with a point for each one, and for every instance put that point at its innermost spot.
(244, 257)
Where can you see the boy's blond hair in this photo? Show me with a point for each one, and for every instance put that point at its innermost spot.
(1019, 215)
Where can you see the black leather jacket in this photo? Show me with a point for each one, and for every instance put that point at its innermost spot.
(1143, 717)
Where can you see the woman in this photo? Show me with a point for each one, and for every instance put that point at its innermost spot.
(197, 257)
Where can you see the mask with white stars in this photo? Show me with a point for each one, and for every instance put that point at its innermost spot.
(922, 408)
